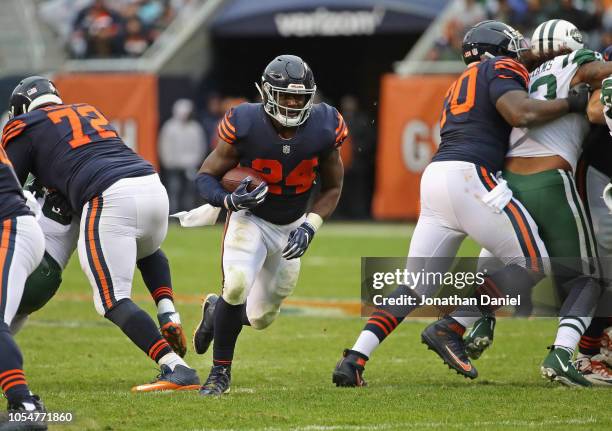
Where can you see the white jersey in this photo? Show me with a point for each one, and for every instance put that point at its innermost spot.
(563, 136)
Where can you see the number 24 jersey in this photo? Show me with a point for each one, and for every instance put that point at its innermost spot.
(289, 166)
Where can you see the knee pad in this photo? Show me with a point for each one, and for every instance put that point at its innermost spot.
(236, 285)
(263, 320)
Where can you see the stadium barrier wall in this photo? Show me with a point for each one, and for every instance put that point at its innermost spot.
(129, 101)
(408, 136)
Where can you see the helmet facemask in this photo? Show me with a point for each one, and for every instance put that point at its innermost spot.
(286, 116)
(517, 44)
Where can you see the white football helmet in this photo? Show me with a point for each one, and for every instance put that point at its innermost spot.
(555, 34)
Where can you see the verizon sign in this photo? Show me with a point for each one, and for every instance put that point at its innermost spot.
(323, 22)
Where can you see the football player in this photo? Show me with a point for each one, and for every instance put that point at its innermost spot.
(21, 249)
(461, 195)
(593, 175)
(61, 230)
(123, 205)
(289, 140)
(540, 167)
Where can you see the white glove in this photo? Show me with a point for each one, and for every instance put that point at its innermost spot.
(205, 215)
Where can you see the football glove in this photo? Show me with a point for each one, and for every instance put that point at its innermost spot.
(299, 240)
(578, 97)
(241, 199)
(606, 92)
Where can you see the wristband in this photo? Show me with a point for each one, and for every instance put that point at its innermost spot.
(315, 220)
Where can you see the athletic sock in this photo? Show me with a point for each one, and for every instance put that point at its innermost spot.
(139, 327)
(12, 378)
(228, 324)
(569, 332)
(172, 360)
(383, 321)
(155, 271)
(590, 343)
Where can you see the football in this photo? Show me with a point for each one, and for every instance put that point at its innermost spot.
(232, 178)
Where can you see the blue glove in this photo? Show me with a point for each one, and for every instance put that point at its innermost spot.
(299, 240)
(241, 199)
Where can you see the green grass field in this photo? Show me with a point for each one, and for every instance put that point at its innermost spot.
(80, 363)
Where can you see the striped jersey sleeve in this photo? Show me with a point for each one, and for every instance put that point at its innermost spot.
(227, 128)
(506, 74)
(341, 131)
(12, 130)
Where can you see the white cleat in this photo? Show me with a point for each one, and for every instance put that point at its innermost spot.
(594, 369)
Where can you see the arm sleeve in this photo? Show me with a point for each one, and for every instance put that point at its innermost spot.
(210, 189)
(17, 146)
(505, 75)
(227, 127)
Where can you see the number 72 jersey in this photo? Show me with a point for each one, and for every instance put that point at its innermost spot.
(471, 128)
(563, 136)
(70, 148)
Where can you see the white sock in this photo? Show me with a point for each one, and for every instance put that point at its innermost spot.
(465, 321)
(172, 360)
(165, 306)
(366, 343)
(570, 330)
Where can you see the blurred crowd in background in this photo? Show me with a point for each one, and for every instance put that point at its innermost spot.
(110, 28)
(592, 17)
(191, 134)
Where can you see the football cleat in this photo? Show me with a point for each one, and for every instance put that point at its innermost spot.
(349, 369)
(218, 381)
(448, 344)
(558, 367)
(33, 405)
(204, 332)
(180, 379)
(594, 369)
(480, 337)
(171, 329)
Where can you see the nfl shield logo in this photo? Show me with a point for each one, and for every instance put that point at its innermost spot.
(286, 149)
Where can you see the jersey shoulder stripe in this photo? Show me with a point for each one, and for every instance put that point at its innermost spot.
(226, 130)
(11, 130)
(513, 66)
(341, 130)
(583, 56)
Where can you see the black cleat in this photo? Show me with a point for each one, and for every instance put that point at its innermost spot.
(34, 406)
(181, 379)
(218, 382)
(448, 344)
(349, 369)
(204, 332)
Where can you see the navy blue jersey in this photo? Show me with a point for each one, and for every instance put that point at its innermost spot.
(12, 202)
(471, 128)
(289, 166)
(73, 149)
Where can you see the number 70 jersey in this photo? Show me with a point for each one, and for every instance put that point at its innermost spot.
(471, 128)
(563, 136)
